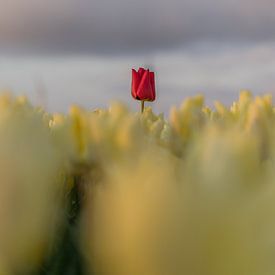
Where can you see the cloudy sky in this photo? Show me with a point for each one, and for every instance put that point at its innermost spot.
(81, 51)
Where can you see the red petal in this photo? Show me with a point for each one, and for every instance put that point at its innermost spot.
(135, 83)
(144, 91)
(152, 81)
(141, 72)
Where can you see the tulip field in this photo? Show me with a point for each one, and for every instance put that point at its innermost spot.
(119, 192)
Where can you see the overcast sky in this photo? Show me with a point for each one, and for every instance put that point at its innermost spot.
(60, 52)
(129, 25)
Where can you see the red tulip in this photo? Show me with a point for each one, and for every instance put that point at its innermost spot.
(143, 85)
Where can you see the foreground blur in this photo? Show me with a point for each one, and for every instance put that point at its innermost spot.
(193, 195)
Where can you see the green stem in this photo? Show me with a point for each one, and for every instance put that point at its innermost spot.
(142, 106)
(67, 258)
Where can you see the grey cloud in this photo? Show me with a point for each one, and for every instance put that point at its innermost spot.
(130, 25)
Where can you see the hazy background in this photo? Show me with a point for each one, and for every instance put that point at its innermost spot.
(82, 51)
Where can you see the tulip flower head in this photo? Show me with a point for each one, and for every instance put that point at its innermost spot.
(143, 85)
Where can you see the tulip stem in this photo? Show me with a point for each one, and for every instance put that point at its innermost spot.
(142, 106)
